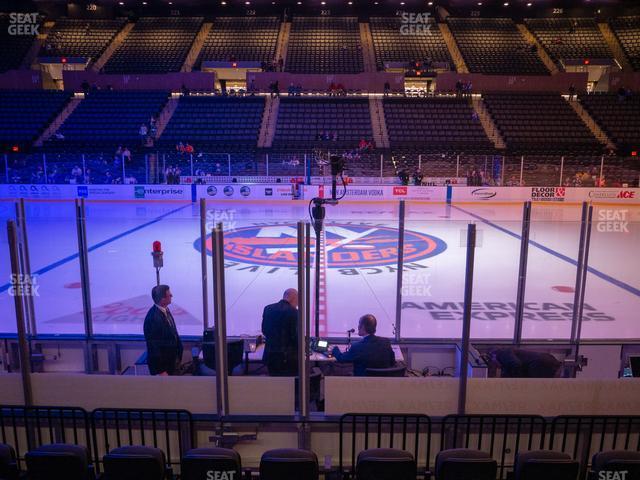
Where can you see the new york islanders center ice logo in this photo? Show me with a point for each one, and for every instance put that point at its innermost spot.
(347, 245)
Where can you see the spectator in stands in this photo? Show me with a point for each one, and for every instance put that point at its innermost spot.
(572, 91)
(417, 177)
(218, 169)
(126, 155)
(180, 147)
(76, 174)
(87, 176)
(108, 177)
(280, 328)
(275, 89)
(291, 90)
(458, 88)
(403, 174)
(387, 89)
(143, 131)
(280, 64)
(85, 87)
(370, 352)
(184, 90)
(164, 347)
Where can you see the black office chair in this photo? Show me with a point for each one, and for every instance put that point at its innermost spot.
(385, 464)
(616, 461)
(134, 463)
(235, 351)
(465, 464)
(289, 464)
(547, 465)
(59, 461)
(198, 462)
(8, 465)
(386, 372)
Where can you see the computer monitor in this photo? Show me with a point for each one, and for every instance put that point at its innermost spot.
(634, 362)
(319, 345)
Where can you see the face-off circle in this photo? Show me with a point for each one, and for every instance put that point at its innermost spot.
(347, 245)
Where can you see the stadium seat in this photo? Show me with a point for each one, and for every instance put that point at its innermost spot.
(617, 116)
(617, 461)
(324, 45)
(495, 46)
(244, 39)
(134, 463)
(434, 125)
(545, 465)
(14, 47)
(8, 467)
(543, 123)
(570, 38)
(391, 45)
(289, 464)
(385, 464)
(386, 372)
(73, 37)
(155, 45)
(197, 462)
(627, 31)
(465, 464)
(59, 461)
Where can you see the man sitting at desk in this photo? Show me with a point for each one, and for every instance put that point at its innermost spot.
(370, 352)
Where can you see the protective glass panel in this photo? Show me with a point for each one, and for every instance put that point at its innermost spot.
(120, 239)
(612, 294)
(551, 268)
(7, 306)
(53, 246)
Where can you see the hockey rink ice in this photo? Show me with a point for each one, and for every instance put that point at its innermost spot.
(359, 267)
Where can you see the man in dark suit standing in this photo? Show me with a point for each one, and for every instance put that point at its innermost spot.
(164, 348)
(280, 328)
(370, 352)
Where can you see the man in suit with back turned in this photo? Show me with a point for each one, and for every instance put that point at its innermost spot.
(164, 348)
(280, 328)
(370, 352)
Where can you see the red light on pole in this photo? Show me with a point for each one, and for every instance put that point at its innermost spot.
(15, 148)
(157, 259)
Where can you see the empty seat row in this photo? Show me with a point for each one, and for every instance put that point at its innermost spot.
(495, 46)
(154, 45)
(397, 40)
(324, 45)
(249, 39)
(543, 123)
(570, 38)
(14, 47)
(80, 37)
(73, 462)
(627, 31)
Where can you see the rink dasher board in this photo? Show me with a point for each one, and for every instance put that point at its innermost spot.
(285, 192)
